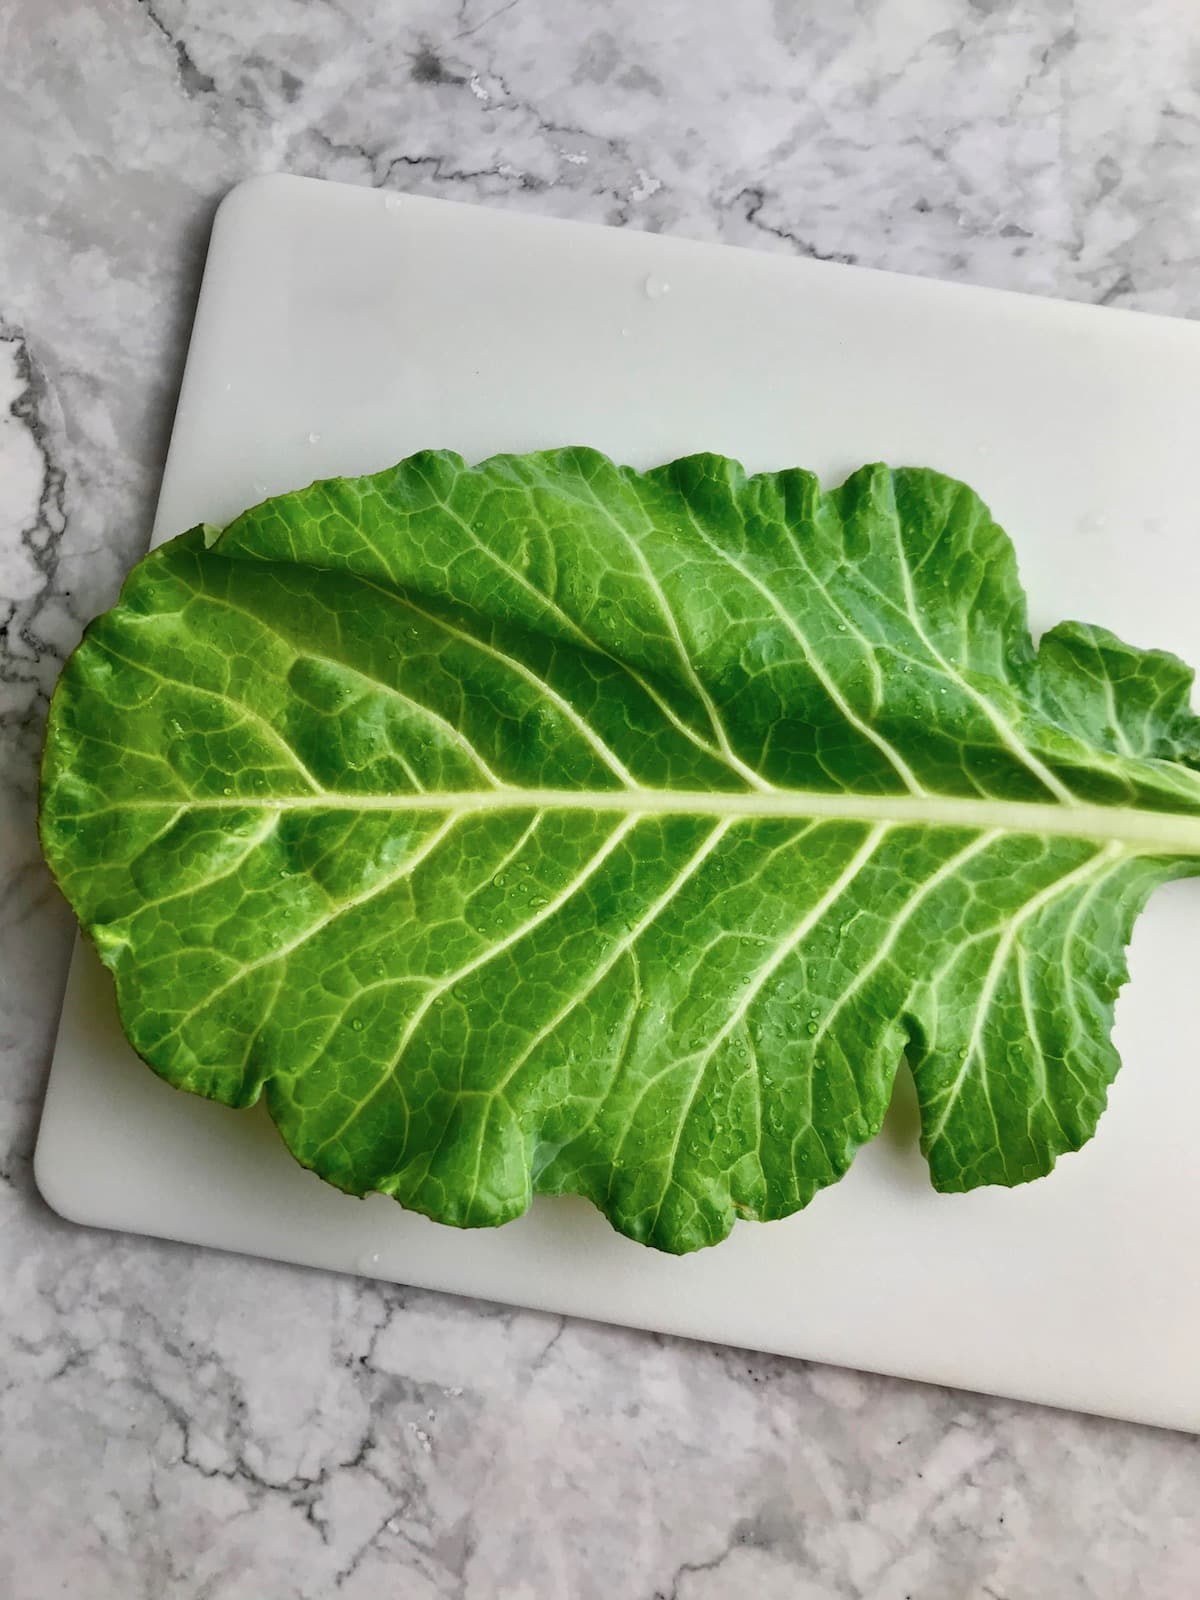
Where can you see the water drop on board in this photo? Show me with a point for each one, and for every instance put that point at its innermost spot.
(314, 438)
(624, 333)
(654, 287)
(392, 202)
(368, 1261)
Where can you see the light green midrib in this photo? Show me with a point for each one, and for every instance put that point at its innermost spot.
(1153, 832)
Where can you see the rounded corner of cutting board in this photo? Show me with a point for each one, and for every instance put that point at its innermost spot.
(66, 1187)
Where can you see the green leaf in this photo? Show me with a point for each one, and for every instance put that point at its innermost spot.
(545, 826)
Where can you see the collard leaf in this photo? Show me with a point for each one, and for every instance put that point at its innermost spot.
(545, 826)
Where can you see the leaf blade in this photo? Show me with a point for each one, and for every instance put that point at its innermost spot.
(546, 826)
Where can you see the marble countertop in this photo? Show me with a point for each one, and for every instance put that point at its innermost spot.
(176, 1424)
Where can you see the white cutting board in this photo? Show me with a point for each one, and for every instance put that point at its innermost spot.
(341, 328)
